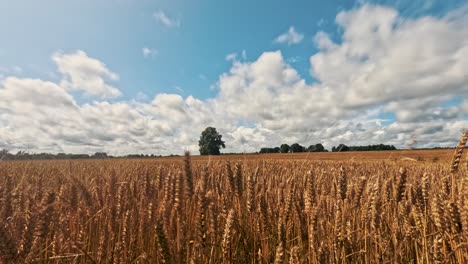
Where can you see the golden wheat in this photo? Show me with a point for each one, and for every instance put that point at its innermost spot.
(233, 211)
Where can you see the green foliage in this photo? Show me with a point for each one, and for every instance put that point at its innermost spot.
(284, 148)
(270, 150)
(100, 155)
(210, 142)
(296, 148)
(340, 148)
(316, 148)
(343, 147)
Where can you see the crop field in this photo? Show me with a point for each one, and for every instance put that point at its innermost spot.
(430, 155)
(385, 207)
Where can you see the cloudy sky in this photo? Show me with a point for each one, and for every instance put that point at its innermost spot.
(128, 76)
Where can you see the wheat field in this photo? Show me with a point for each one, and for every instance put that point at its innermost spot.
(234, 211)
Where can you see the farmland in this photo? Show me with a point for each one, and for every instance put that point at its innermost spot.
(430, 155)
(356, 207)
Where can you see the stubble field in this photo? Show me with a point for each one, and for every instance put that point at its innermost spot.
(357, 207)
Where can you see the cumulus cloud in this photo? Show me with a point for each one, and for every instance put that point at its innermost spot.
(86, 74)
(379, 67)
(23, 95)
(381, 57)
(164, 19)
(290, 37)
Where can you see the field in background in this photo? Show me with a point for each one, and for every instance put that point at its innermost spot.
(431, 155)
(355, 207)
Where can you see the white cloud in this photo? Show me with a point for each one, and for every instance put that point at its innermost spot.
(379, 67)
(167, 21)
(149, 52)
(24, 95)
(244, 54)
(141, 97)
(231, 56)
(382, 58)
(323, 42)
(249, 139)
(290, 37)
(294, 59)
(86, 74)
(234, 56)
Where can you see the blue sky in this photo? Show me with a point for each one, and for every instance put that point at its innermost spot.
(183, 48)
(190, 56)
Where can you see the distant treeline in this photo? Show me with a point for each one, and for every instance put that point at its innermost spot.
(343, 147)
(22, 155)
(295, 148)
(284, 148)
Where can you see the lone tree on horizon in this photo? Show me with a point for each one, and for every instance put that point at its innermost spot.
(210, 142)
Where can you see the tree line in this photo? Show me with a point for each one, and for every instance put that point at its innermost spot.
(342, 147)
(209, 143)
(23, 155)
(295, 148)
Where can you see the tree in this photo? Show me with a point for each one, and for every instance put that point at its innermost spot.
(270, 150)
(296, 148)
(316, 148)
(284, 148)
(340, 148)
(210, 142)
(100, 155)
(319, 147)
